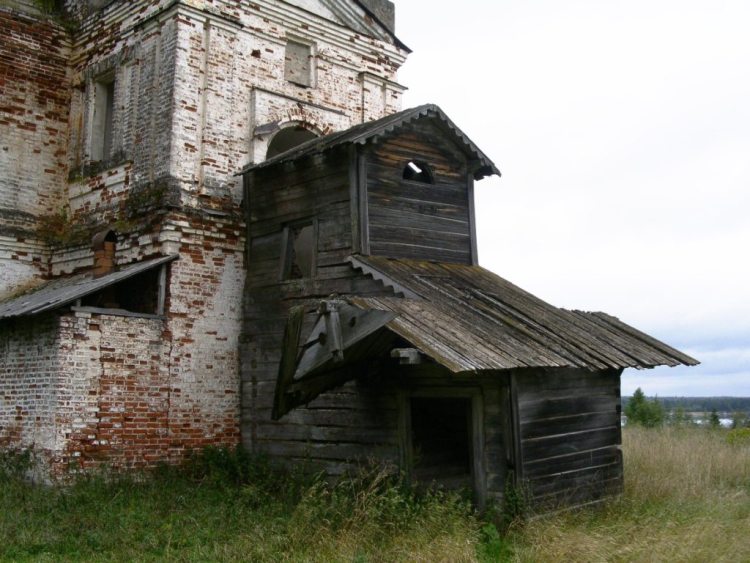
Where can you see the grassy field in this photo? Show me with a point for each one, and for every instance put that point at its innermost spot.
(687, 498)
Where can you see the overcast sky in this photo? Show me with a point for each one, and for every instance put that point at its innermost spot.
(622, 129)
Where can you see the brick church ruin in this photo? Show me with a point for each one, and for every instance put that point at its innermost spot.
(218, 226)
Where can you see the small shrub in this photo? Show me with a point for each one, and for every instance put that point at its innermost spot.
(644, 412)
(57, 229)
(714, 422)
(515, 501)
(493, 546)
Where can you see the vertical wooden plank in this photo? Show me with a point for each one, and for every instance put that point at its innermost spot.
(247, 183)
(314, 265)
(362, 194)
(617, 375)
(477, 446)
(289, 350)
(506, 423)
(472, 220)
(285, 254)
(515, 427)
(162, 290)
(404, 433)
(354, 199)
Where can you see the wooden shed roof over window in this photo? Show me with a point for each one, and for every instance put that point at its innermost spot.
(58, 293)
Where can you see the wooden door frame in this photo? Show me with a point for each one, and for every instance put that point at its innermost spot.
(476, 438)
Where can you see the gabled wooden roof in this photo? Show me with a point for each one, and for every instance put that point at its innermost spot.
(469, 319)
(373, 130)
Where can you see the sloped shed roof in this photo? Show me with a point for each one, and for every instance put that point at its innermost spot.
(463, 317)
(61, 292)
(373, 130)
(469, 319)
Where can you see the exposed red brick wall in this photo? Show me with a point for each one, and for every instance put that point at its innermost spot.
(34, 109)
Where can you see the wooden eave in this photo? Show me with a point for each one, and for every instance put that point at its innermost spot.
(469, 319)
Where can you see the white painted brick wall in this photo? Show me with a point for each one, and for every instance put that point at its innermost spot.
(193, 82)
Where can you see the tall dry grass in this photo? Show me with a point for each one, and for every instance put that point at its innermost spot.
(687, 498)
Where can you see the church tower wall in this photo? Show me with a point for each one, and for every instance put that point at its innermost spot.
(158, 104)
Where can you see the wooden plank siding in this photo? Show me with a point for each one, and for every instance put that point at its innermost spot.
(411, 219)
(569, 435)
(360, 203)
(351, 423)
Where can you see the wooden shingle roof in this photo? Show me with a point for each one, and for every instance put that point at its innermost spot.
(469, 319)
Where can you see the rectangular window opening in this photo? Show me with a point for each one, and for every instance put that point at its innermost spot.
(299, 254)
(102, 122)
(441, 442)
(142, 294)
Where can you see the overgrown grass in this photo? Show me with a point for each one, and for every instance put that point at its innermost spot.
(687, 498)
(226, 506)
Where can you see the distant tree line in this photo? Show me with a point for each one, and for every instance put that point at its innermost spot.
(702, 404)
(677, 411)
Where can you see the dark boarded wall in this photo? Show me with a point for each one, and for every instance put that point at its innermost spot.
(570, 435)
(409, 219)
(358, 421)
(354, 421)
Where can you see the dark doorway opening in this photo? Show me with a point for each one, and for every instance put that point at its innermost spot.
(441, 441)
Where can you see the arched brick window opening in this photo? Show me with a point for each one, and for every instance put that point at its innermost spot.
(288, 138)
